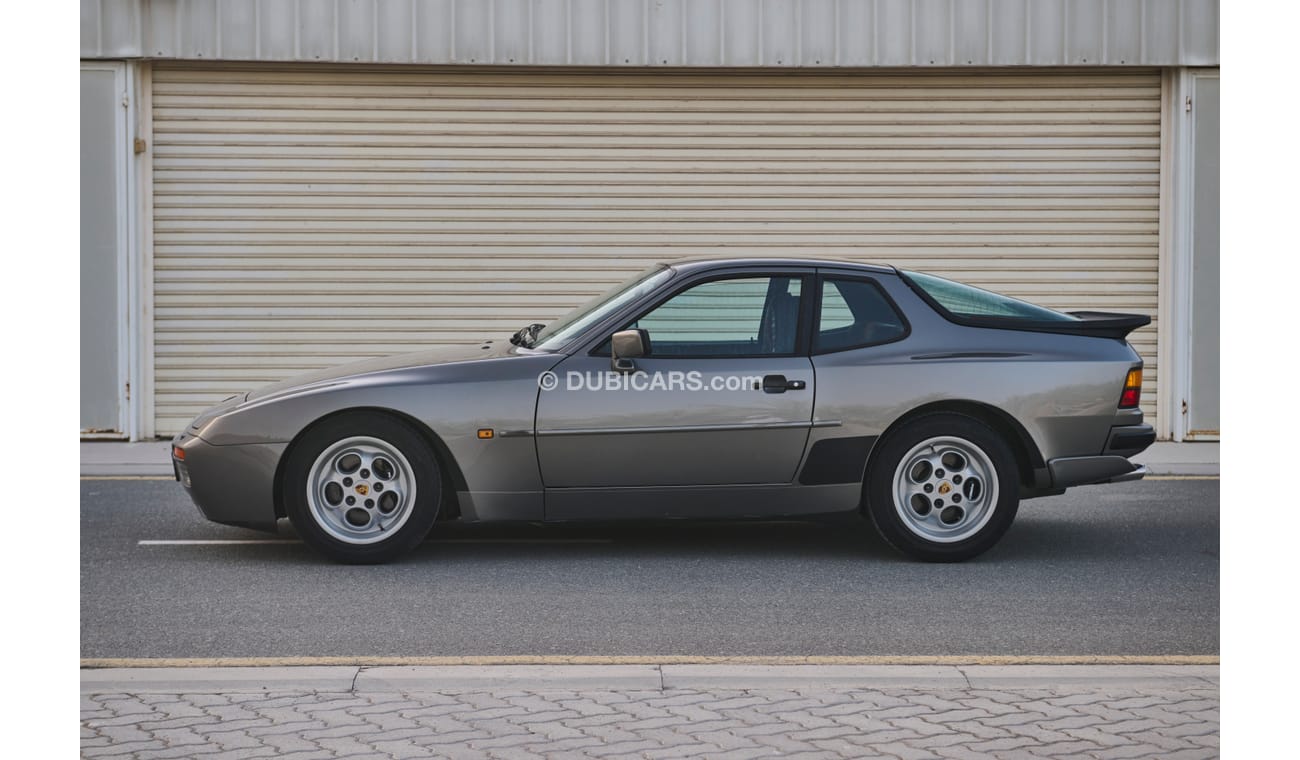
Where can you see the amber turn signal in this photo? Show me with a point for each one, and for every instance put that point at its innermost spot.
(485, 433)
(1132, 394)
(178, 452)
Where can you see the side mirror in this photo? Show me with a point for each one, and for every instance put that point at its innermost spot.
(625, 346)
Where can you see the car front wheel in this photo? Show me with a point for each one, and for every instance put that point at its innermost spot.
(362, 488)
(943, 488)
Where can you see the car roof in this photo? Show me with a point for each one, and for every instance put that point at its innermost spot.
(718, 262)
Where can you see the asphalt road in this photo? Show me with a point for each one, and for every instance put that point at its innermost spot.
(1127, 569)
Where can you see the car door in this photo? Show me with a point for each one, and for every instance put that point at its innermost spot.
(724, 396)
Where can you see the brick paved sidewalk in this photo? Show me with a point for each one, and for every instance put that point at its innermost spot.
(1080, 721)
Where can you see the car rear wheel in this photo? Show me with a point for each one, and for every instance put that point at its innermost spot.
(943, 488)
(362, 488)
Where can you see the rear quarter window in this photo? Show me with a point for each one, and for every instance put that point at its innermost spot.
(967, 301)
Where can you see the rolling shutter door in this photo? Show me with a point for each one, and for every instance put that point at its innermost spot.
(309, 216)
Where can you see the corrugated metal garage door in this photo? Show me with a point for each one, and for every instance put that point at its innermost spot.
(304, 217)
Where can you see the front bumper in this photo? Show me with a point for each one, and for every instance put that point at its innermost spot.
(1112, 465)
(232, 485)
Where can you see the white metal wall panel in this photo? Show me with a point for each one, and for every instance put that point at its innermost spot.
(308, 216)
(775, 33)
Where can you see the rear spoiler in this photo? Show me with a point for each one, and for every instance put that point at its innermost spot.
(1093, 324)
(1105, 324)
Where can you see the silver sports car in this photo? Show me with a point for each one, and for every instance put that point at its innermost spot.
(698, 389)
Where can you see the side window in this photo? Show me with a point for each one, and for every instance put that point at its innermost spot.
(855, 313)
(746, 316)
(836, 314)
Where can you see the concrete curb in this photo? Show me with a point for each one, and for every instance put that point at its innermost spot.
(126, 470)
(1101, 676)
(100, 458)
(1184, 469)
(1165, 458)
(217, 680)
(434, 678)
(813, 676)
(460, 677)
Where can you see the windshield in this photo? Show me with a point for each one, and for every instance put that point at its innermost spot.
(563, 331)
(967, 301)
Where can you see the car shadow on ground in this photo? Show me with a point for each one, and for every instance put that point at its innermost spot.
(835, 537)
(831, 537)
(1137, 522)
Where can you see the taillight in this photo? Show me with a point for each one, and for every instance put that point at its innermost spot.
(1132, 390)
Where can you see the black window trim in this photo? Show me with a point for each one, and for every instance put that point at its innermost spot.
(802, 341)
(822, 277)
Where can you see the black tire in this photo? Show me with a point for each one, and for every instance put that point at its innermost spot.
(401, 437)
(881, 503)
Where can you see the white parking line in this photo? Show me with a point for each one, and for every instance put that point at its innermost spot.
(521, 541)
(171, 478)
(218, 541)
(256, 541)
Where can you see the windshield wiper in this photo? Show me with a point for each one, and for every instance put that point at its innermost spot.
(526, 336)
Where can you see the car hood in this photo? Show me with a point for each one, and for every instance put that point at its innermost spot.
(429, 357)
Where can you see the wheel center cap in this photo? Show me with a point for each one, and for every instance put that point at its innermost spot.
(363, 489)
(944, 487)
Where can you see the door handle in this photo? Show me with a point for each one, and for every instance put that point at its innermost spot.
(778, 384)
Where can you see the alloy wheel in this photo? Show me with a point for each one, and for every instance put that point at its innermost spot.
(945, 489)
(361, 490)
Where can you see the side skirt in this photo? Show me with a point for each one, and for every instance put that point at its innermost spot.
(731, 501)
(499, 506)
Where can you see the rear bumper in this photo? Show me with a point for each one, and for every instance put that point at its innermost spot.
(1082, 471)
(1129, 440)
(1139, 472)
(1112, 465)
(233, 485)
